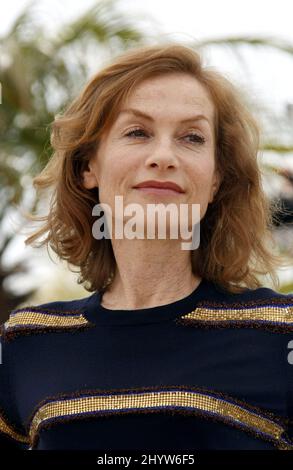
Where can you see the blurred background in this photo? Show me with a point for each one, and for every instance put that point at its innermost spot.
(50, 48)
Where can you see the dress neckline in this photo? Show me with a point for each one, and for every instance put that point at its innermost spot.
(96, 313)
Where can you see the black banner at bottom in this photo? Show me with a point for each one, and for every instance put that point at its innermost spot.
(130, 459)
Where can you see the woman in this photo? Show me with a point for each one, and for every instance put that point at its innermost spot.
(175, 348)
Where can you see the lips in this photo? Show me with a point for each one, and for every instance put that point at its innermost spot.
(160, 185)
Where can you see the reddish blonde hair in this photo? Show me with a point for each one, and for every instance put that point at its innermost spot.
(236, 236)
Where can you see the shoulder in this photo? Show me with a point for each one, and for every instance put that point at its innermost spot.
(56, 316)
(252, 298)
(253, 295)
(262, 308)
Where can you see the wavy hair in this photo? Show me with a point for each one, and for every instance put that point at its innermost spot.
(236, 237)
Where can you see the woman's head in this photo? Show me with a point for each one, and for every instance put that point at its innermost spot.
(164, 132)
(94, 159)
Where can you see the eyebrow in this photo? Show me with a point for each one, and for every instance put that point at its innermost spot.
(137, 112)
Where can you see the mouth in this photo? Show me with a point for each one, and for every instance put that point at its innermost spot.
(159, 187)
(159, 191)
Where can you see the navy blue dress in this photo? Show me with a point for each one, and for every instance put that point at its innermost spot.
(213, 370)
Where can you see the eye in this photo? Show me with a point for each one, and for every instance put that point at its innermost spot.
(198, 139)
(134, 132)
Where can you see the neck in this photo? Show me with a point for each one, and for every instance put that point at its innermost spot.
(149, 273)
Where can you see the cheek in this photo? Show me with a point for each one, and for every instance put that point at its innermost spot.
(121, 167)
(115, 175)
(110, 168)
(201, 178)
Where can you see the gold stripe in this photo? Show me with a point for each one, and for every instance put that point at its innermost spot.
(189, 400)
(30, 318)
(6, 429)
(268, 314)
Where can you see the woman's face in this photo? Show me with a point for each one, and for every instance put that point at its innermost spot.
(163, 140)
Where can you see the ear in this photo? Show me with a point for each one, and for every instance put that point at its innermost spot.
(89, 176)
(215, 186)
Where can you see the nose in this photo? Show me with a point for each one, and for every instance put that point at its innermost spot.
(162, 155)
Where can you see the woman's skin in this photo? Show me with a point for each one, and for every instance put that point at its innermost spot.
(153, 272)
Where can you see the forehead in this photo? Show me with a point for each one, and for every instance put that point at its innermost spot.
(172, 93)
